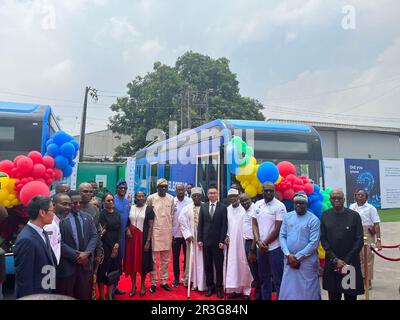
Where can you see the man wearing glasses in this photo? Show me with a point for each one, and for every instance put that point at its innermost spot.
(267, 221)
(163, 206)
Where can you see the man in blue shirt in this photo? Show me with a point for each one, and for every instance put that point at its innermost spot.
(123, 207)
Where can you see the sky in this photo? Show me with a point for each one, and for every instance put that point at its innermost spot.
(332, 61)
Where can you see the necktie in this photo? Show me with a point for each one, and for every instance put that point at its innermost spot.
(212, 210)
(49, 249)
(79, 232)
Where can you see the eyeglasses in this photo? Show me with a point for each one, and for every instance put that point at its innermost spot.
(163, 187)
(268, 191)
(110, 200)
(337, 198)
(87, 191)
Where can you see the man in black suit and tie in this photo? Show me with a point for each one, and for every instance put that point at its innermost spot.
(211, 235)
(34, 259)
(78, 242)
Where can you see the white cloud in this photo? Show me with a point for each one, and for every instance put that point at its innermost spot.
(290, 36)
(58, 71)
(151, 47)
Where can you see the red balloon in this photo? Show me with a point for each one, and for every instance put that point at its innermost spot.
(36, 156)
(49, 182)
(291, 178)
(17, 158)
(41, 180)
(288, 194)
(48, 162)
(285, 168)
(298, 187)
(30, 179)
(24, 180)
(6, 166)
(18, 186)
(299, 181)
(25, 165)
(38, 170)
(33, 189)
(309, 188)
(58, 174)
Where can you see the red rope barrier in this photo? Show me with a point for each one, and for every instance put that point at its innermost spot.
(391, 247)
(382, 256)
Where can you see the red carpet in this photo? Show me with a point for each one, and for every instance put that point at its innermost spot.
(179, 293)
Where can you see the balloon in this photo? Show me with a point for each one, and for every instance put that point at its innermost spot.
(267, 171)
(249, 151)
(6, 166)
(25, 165)
(4, 180)
(278, 181)
(61, 137)
(58, 174)
(17, 158)
(48, 162)
(285, 168)
(316, 208)
(53, 150)
(67, 171)
(35, 156)
(50, 141)
(244, 161)
(321, 252)
(279, 195)
(38, 171)
(298, 187)
(33, 189)
(67, 150)
(251, 191)
(61, 162)
(316, 188)
(308, 188)
(3, 195)
(246, 170)
(75, 144)
(253, 161)
(49, 182)
(288, 194)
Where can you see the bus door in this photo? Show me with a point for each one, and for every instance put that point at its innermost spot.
(208, 171)
(153, 177)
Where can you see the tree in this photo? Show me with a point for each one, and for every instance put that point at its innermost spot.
(154, 100)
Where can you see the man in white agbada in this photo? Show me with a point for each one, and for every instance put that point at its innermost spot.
(188, 220)
(238, 275)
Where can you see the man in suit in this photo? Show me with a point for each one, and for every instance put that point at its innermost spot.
(34, 260)
(78, 243)
(211, 235)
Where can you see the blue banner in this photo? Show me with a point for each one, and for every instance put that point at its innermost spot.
(363, 174)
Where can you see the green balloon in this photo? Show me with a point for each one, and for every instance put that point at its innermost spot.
(244, 161)
(249, 151)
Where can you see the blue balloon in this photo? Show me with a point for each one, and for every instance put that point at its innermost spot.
(67, 171)
(267, 171)
(61, 137)
(53, 150)
(50, 141)
(316, 188)
(61, 162)
(316, 208)
(75, 144)
(67, 150)
(72, 163)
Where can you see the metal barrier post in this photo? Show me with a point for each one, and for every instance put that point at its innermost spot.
(366, 278)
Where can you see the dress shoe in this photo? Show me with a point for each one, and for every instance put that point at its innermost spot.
(142, 292)
(220, 294)
(233, 295)
(175, 283)
(153, 288)
(166, 287)
(210, 292)
(117, 291)
(132, 293)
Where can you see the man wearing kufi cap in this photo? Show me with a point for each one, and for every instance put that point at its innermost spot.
(163, 207)
(238, 274)
(299, 238)
(189, 220)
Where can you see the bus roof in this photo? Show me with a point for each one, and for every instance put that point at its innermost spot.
(15, 107)
(267, 126)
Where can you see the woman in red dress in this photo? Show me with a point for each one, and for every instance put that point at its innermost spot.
(138, 253)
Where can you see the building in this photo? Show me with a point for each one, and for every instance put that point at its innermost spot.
(100, 145)
(355, 141)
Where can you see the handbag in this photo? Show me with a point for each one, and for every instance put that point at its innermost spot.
(113, 276)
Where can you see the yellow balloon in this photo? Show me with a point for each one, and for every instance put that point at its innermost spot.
(15, 202)
(7, 204)
(239, 177)
(4, 180)
(11, 185)
(3, 195)
(253, 161)
(246, 170)
(321, 251)
(278, 180)
(11, 197)
(251, 191)
(245, 184)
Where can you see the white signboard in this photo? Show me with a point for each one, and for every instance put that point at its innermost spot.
(389, 175)
(335, 176)
(130, 175)
(101, 180)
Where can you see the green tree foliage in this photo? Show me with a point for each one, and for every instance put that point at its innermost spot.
(153, 100)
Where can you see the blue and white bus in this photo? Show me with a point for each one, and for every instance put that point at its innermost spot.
(25, 127)
(203, 152)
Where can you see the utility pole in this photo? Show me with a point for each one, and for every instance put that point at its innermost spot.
(93, 94)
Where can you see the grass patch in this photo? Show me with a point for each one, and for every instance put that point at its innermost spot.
(389, 215)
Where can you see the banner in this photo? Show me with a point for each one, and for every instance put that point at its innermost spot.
(389, 172)
(335, 177)
(363, 174)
